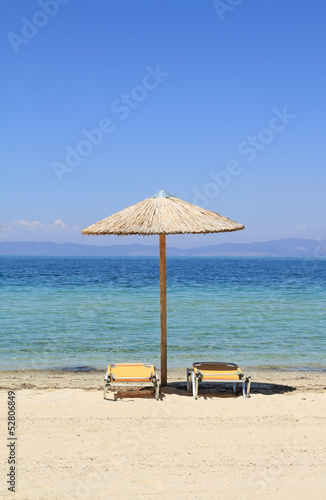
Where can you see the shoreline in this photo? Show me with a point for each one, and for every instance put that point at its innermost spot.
(264, 381)
(313, 368)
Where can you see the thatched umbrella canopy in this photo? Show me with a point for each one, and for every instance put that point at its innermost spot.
(163, 214)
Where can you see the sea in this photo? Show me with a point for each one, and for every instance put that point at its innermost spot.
(82, 313)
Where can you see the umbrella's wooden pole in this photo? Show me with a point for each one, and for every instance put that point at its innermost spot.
(163, 310)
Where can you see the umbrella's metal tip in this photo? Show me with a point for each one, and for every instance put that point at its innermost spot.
(162, 194)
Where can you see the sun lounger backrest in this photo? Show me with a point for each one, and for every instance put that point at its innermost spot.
(133, 372)
(211, 370)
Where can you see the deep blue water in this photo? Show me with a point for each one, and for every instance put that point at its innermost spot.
(88, 311)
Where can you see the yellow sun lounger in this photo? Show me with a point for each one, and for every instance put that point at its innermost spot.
(219, 373)
(131, 374)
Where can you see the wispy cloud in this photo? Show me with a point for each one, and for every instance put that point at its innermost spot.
(22, 228)
(36, 224)
(299, 230)
(303, 227)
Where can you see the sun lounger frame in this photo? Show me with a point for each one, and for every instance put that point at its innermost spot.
(193, 379)
(127, 382)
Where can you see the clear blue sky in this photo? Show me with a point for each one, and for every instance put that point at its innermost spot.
(222, 105)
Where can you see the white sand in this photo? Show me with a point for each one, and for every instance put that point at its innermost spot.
(73, 444)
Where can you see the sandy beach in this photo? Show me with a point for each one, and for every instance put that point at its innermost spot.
(163, 204)
(74, 444)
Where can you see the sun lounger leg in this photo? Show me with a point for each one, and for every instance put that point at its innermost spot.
(188, 380)
(157, 391)
(248, 387)
(244, 388)
(195, 383)
(235, 388)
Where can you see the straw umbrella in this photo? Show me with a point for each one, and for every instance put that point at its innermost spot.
(163, 214)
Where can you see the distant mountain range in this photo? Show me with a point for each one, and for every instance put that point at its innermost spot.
(291, 247)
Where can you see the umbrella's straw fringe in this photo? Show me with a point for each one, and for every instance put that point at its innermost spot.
(163, 216)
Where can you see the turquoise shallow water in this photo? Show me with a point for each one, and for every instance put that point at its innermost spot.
(70, 312)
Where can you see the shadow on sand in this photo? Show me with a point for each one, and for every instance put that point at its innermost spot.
(225, 391)
(206, 391)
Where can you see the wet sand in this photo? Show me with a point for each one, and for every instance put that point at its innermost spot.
(263, 381)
